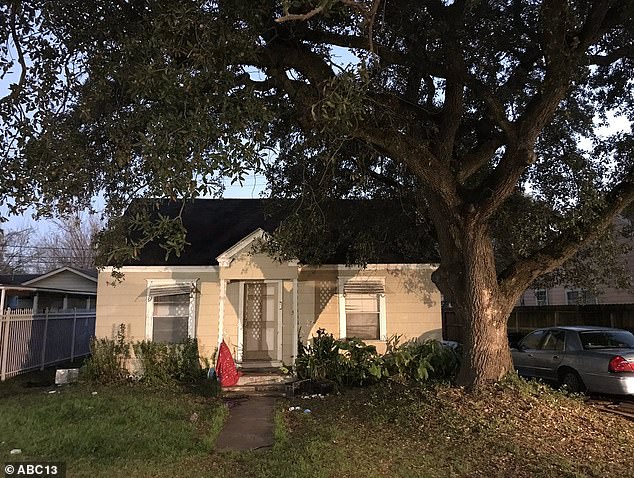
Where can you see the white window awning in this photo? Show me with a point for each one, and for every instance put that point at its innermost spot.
(171, 289)
(361, 286)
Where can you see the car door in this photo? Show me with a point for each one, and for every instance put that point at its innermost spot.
(549, 355)
(524, 355)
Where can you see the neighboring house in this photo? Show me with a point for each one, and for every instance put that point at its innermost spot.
(570, 295)
(64, 288)
(45, 319)
(560, 295)
(219, 288)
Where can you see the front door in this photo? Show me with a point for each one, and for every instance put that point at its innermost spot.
(259, 321)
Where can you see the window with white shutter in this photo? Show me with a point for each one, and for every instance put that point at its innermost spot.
(171, 311)
(363, 309)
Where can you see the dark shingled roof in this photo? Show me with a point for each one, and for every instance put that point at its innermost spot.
(215, 225)
(16, 279)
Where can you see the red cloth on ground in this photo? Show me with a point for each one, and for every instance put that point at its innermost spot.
(226, 369)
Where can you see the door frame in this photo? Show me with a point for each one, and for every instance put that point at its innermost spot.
(278, 323)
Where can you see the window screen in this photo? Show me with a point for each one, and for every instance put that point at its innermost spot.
(362, 316)
(170, 318)
(362, 298)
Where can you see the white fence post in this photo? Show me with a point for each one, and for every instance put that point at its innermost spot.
(4, 318)
(43, 359)
(72, 344)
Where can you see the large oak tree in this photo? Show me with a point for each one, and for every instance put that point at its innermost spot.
(479, 114)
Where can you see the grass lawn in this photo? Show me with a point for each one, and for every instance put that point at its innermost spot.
(518, 430)
(115, 432)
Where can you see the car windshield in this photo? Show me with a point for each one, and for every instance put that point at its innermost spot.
(607, 339)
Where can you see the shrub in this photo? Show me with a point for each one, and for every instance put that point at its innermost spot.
(344, 361)
(362, 364)
(161, 364)
(165, 363)
(421, 361)
(108, 359)
(353, 362)
(321, 360)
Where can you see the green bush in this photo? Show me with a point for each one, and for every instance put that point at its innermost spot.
(362, 365)
(344, 361)
(165, 363)
(161, 364)
(108, 359)
(355, 363)
(421, 361)
(321, 360)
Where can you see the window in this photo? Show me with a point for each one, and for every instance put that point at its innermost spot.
(607, 339)
(580, 297)
(362, 316)
(362, 308)
(170, 318)
(532, 340)
(541, 296)
(170, 314)
(555, 340)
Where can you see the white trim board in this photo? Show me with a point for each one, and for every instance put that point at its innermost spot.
(125, 269)
(225, 258)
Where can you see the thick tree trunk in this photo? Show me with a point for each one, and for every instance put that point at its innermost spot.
(487, 354)
(467, 277)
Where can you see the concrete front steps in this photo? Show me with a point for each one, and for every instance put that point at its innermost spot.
(261, 383)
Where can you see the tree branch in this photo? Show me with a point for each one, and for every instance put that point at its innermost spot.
(521, 274)
(300, 17)
(477, 158)
(16, 88)
(384, 179)
(297, 57)
(413, 59)
(453, 107)
(417, 157)
(612, 57)
(562, 60)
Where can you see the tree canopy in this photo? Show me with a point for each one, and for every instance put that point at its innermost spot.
(476, 114)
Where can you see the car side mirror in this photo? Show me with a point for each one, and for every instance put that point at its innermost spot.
(521, 347)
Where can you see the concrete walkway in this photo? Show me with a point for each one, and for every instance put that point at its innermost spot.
(250, 425)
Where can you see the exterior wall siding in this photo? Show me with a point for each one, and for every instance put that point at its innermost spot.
(126, 303)
(66, 280)
(412, 302)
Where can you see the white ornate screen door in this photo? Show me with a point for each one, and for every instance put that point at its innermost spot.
(259, 323)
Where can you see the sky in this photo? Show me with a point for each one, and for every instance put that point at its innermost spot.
(251, 188)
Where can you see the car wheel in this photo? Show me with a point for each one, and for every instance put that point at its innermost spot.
(572, 382)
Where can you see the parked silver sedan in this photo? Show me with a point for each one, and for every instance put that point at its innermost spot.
(594, 359)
